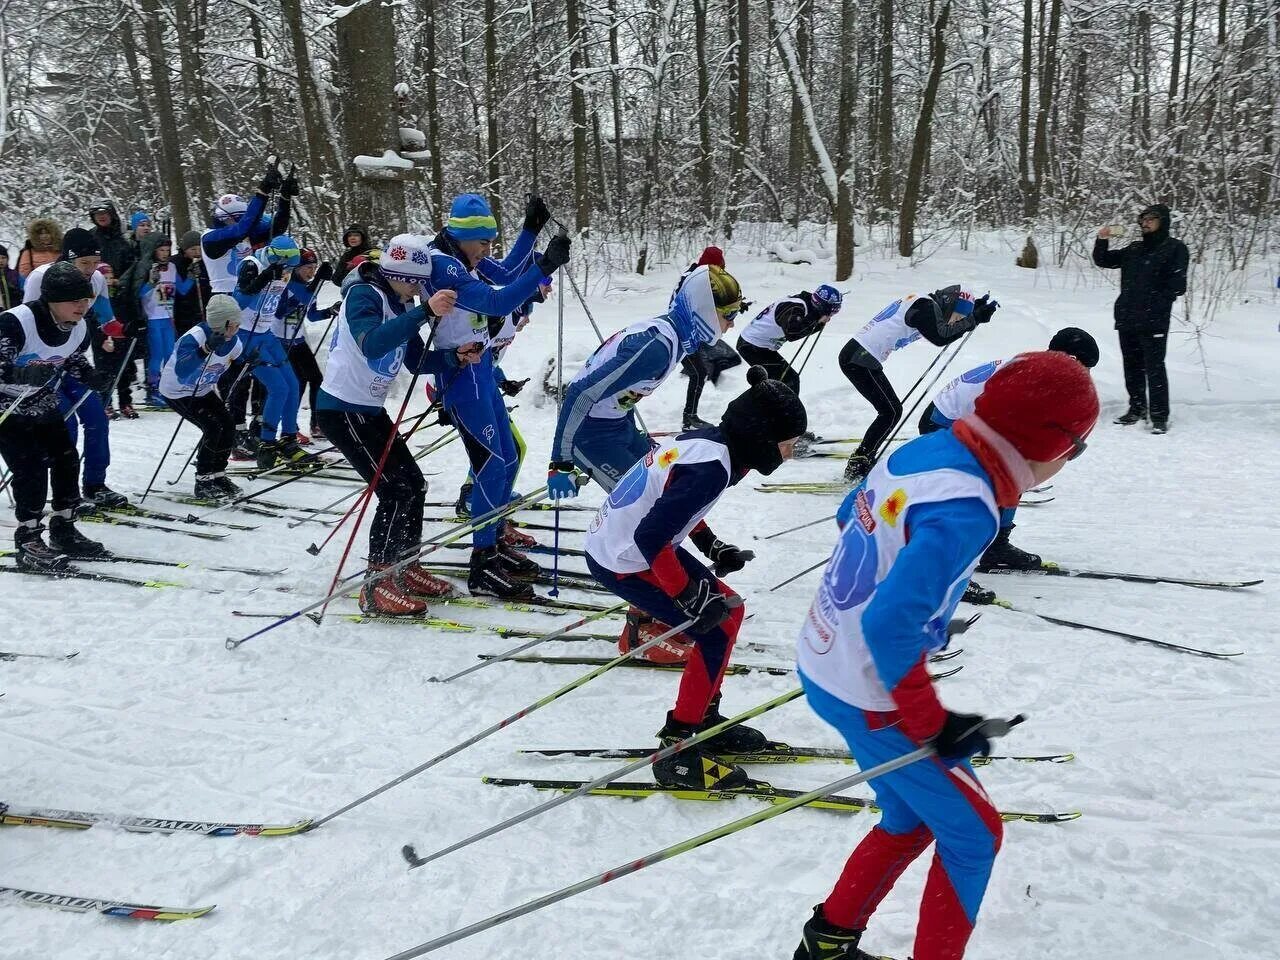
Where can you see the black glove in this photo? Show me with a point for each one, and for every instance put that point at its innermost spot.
(290, 186)
(536, 214)
(555, 256)
(704, 604)
(961, 737)
(512, 387)
(728, 558)
(32, 375)
(97, 379)
(271, 179)
(323, 272)
(445, 418)
(214, 339)
(984, 308)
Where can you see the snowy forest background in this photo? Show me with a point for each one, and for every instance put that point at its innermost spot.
(654, 125)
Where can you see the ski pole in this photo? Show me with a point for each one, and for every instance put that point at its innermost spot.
(812, 345)
(800, 526)
(416, 861)
(501, 724)
(428, 546)
(555, 561)
(779, 586)
(554, 635)
(990, 728)
(906, 417)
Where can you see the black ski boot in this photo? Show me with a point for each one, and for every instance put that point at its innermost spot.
(208, 488)
(694, 768)
(245, 447)
(34, 553)
(823, 940)
(694, 422)
(1130, 416)
(104, 498)
(737, 739)
(268, 454)
(977, 594)
(288, 448)
(517, 564)
(65, 538)
(489, 576)
(463, 507)
(856, 470)
(224, 484)
(1003, 555)
(1159, 426)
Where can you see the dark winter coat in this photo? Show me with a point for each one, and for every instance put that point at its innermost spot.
(116, 249)
(350, 253)
(1153, 273)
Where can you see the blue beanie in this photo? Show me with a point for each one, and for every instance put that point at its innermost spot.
(139, 216)
(471, 219)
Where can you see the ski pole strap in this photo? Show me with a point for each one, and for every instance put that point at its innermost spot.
(416, 861)
(489, 731)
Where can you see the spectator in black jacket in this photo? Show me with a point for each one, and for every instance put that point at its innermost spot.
(355, 243)
(1153, 273)
(188, 308)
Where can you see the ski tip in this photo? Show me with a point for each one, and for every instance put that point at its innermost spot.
(410, 854)
(313, 550)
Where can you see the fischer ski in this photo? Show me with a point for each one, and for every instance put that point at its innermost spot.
(521, 524)
(549, 606)
(9, 655)
(177, 564)
(1134, 637)
(574, 579)
(777, 753)
(1056, 570)
(536, 548)
(756, 790)
(11, 816)
(452, 626)
(117, 521)
(75, 573)
(732, 670)
(541, 505)
(110, 908)
(133, 510)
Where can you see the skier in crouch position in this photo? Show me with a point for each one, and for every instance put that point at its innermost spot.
(956, 400)
(911, 536)
(634, 549)
(941, 317)
(788, 320)
(376, 334)
(41, 344)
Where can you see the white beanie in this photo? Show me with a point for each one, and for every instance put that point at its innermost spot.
(408, 258)
(220, 311)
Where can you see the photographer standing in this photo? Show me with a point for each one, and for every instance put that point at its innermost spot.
(1153, 273)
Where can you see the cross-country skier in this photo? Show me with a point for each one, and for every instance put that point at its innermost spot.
(597, 430)
(300, 294)
(634, 547)
(956, 400)
(41, 344)
(912, 534)
(189, 383)
(80, 247)
(376, 334)
(789, 320)
(488, 290)
(704, 363)
(941, 317)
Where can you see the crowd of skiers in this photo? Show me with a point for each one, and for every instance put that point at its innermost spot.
(220, 322)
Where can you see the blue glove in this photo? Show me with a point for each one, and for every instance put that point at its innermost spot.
(562, 483)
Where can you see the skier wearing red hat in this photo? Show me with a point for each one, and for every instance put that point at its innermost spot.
(912, 533)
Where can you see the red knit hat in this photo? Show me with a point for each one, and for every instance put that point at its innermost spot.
(712, 257)
(1039, 402)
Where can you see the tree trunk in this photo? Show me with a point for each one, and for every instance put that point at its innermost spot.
(741, 107)
(147, 120)
(704, 112)
(266, 116)
(884, 110)
(796, 153)
(578, 113)
(492, 97)
(920, 142)
(170, 149)
(433, 109)
(202, 146)
(1048, 72)
(1024, 112)
(366, 61)
(320, 156)
(845, 148)
(615, 93)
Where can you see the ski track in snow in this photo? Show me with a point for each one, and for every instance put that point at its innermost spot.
(1172, 859)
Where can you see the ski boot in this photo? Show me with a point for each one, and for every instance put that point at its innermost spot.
(245, 447)
(229, 489)
(157, 401)
(287, 448)
(490, 576)
(510, 536)
(65, 538)
(34, 554)
(419, 583)
(694, 768)
(1130, 416)
(1003, 555)
(823, 940)
(316, 432)
(737, 739)
(208, 488)
(301, 439)
(1159, 426)
(385, 596)
(977, 594)
(463, 507)
(127, 411)
(856, 470)
(111, 412)
(268, 454)
(104, 498)
(517, 564)
(694, 422)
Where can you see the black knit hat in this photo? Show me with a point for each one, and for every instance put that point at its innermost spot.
(63, 282)
(758, 419)
(79, 242)
(1077, 343)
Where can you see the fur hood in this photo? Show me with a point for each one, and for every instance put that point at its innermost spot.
(52, 233)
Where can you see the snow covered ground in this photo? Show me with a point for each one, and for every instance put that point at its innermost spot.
(1176, 855)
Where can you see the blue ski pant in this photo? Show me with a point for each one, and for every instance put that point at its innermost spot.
(476, 408)
(606, 449)
(160, 340)
(93, 417)
(272, 369)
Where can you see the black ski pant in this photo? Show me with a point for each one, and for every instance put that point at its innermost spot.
(110, 364)
(774, 363)
(696, 369)
(1145, 377)
(238, 385)
(217, 429)
(306, 370)
(876, 389)
(37, 450)
(397, 520)
(927, 423)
